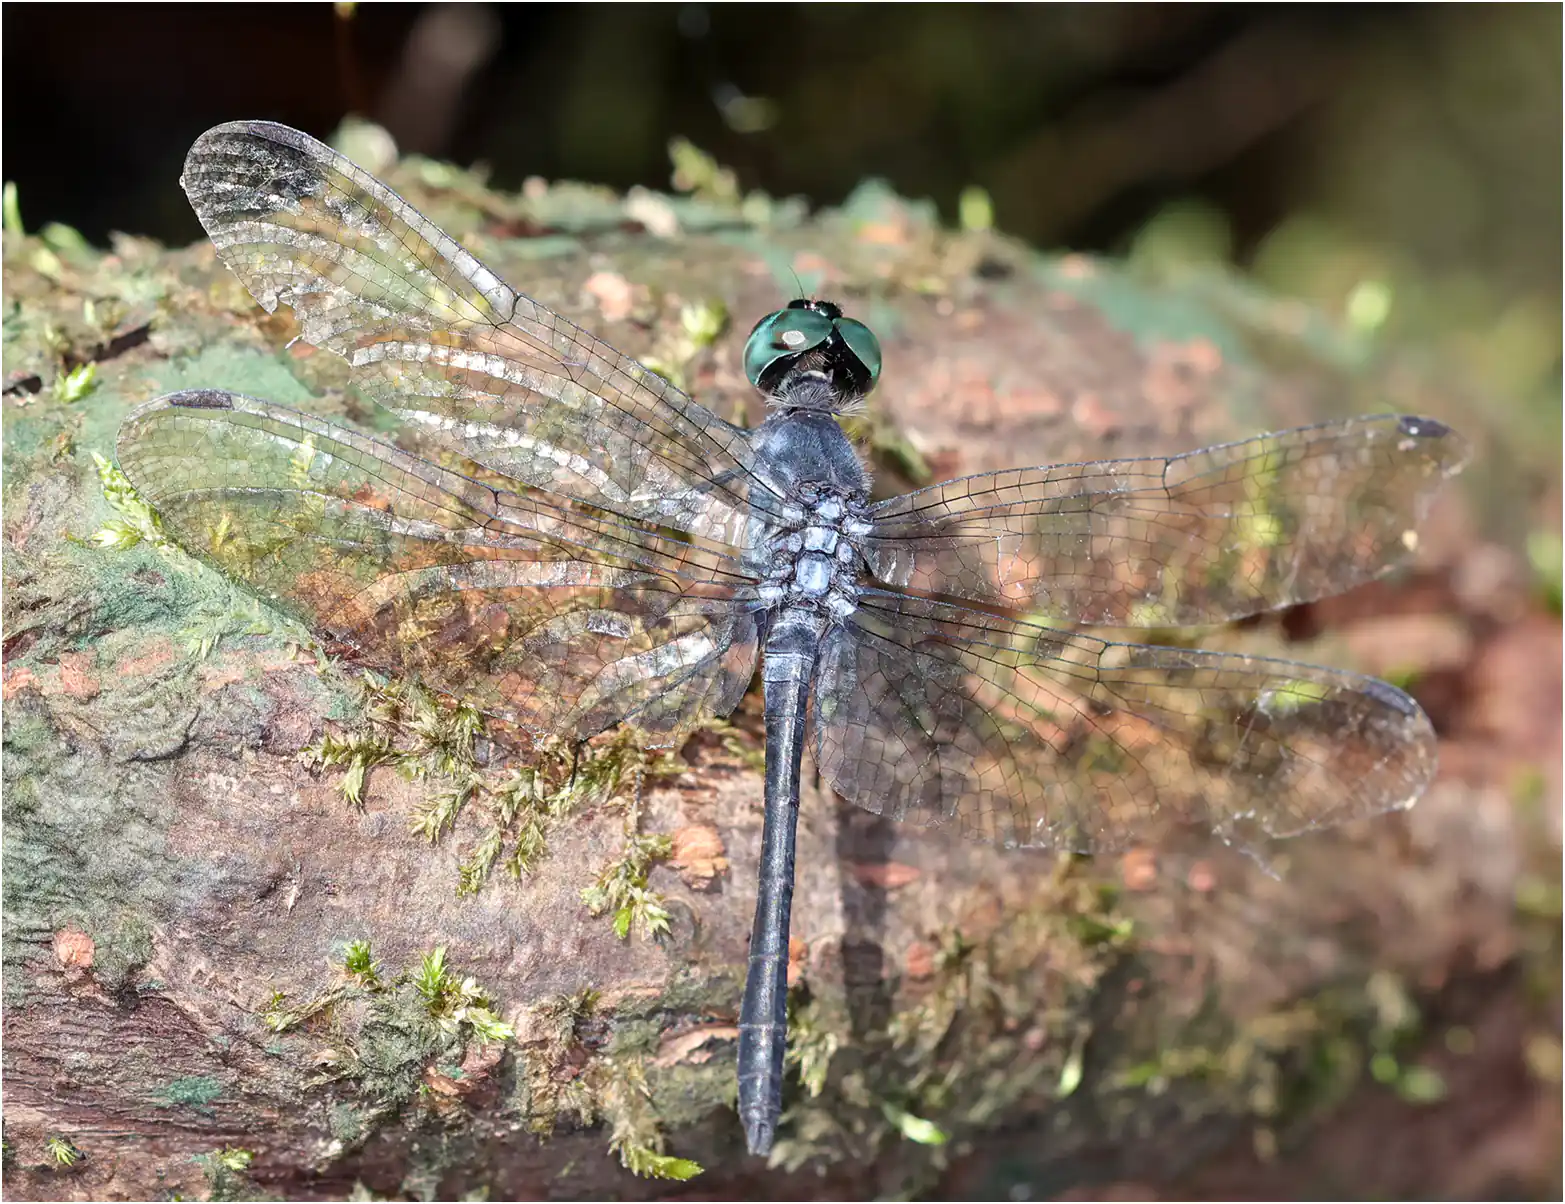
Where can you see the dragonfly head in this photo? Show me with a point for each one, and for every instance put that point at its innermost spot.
(810, 357)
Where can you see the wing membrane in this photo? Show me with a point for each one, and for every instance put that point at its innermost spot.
(442, 341)
(563, 622)
(1022, 735)
(1199, 538)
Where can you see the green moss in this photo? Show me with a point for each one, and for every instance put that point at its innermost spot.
(699, 326)
(648, 1163)
(196, 1092)
(635, 1035)
(76, 383)
(280, 1018)
(123, 945)
(1546, 555)
(349, 1123)
(358, 961)
(1285, 1067)
(392, 1048)
(564, 1075)
(613, 1091)
(635, 1129)
(812, 1041)
(685, 1096)
(913, 1128)
(227, 1174)
(456, 1005)
(737, 743)
(11, 210)
(621, 887)
(386, 1033)
(405, 727)
(558, 1025)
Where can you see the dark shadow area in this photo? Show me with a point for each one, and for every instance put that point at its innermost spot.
(1081, 122)
(864, 842)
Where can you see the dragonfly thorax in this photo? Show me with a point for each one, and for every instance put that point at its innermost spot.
(813, 558)
(816, 562)
(816, 567)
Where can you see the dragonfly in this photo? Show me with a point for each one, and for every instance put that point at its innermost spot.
(595, 548)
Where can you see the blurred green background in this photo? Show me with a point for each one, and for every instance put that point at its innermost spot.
(1399, 165)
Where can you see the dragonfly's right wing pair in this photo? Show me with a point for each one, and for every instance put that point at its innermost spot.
(1031, 735)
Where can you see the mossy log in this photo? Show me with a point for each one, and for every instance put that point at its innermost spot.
(189, 1003)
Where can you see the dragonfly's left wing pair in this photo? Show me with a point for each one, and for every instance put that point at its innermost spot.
(566, 618)
(562, 620)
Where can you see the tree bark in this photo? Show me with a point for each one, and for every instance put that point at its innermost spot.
(182, 889)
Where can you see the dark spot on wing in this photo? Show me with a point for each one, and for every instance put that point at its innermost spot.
(202, 399)
(1423, 428)
(1388, 695)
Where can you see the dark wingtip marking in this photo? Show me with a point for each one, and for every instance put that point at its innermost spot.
(271, 131)
(1422, 428)
(203, 399)
(1392, 698)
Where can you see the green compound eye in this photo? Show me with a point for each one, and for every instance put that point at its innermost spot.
(862, 342)
(784, 333)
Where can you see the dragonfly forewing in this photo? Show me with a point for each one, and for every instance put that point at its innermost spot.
(1205, 537)
(442, 341)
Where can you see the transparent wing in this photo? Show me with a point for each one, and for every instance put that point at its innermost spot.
(1021, 735)
(563, 622)
(442, 341)
(1199, 538)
